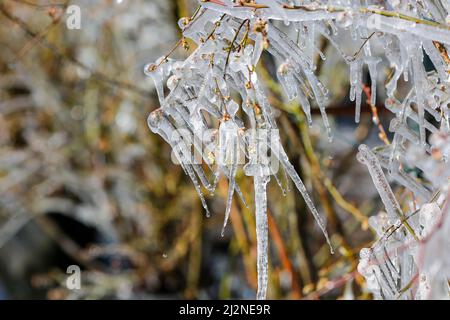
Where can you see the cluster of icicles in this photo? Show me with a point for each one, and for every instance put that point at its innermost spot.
(215, 99)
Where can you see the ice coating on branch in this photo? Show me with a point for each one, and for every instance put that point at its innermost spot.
(366, 157)
(217, 108)
(415, 243)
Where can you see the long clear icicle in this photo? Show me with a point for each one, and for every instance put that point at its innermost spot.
(292, 173)
(260, 182)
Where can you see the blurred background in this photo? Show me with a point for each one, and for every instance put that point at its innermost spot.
(84, 182)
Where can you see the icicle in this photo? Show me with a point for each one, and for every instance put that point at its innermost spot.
(258, 48)
(260, 182)
(231, 186)
(311, 44)
(159, 124)
(399, 127)
(197, 188)
(287, 81)
(372, 63)
(436, 58)
(356, 86)
(278, 150)
(366, 157)
(306, 107)
(156, 73)
(419, 88)
(228, 132)
(280, 185)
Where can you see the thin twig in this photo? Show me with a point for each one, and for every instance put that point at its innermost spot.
(230, 48)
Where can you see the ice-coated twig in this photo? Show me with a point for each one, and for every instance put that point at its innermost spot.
(366, 157)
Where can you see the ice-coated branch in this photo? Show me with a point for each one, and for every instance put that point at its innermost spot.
(216, 100)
